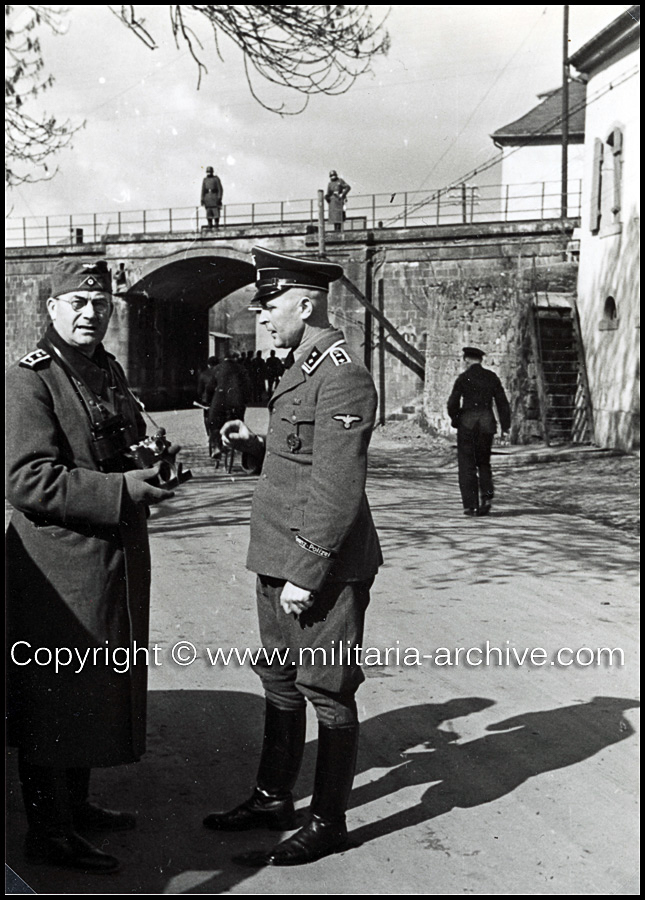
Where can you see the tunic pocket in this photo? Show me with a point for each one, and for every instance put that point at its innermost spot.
(298, 428)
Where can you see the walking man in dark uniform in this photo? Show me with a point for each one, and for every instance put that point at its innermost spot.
(78, 575)
(212, 195)
(470, 407)
(315, 551)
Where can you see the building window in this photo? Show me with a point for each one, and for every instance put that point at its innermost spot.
(610, 312)
(607, 182)
(609, 321)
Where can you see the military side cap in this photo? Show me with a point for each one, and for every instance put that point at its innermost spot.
(277, 272)
(81, 275)
(473, 352)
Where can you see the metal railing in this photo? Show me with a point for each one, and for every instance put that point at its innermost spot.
(459, 205)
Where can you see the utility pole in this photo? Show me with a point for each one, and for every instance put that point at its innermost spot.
(321, 225)
(565, 113)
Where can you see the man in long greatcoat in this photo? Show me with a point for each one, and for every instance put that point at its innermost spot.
(336, 195)
(212, 196)
(78, 571)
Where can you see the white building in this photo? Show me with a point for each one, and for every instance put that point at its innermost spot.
(532, 157)
(609, 274)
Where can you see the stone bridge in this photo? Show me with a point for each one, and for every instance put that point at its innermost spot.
(436, 287)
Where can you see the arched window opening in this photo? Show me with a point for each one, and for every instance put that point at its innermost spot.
(610, 313)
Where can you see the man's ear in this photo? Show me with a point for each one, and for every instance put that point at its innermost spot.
(51, 308)
(306, 307)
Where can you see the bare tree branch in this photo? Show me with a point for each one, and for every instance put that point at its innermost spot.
(29, 142)
(307, 49)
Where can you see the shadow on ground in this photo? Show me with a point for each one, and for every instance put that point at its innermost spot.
(202, 756)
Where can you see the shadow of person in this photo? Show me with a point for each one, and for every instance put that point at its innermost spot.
(387, 738)
(487, 768)
(202, 755)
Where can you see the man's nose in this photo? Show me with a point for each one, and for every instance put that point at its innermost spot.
(264, 317)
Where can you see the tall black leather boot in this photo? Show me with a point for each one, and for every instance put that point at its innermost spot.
(271, 804)
(326, 832)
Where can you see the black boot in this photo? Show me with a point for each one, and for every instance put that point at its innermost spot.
(271, 804)
(326, 832)
(51, 838)
(67, 851)
(89, 817)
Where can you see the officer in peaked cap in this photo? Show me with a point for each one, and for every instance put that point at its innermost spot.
(277, 272)
(470, 407)
(78, 571)
(315, 551)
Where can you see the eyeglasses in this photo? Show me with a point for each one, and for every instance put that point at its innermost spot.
(100, 304)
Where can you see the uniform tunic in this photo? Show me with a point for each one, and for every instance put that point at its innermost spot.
(78, 567)
(310, 520)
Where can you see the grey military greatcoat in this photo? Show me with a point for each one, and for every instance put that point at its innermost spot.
(78, 574)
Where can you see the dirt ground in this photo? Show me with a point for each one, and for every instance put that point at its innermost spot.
(597, 485)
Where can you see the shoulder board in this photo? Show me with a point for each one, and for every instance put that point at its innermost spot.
(35, 359)
(316, 357)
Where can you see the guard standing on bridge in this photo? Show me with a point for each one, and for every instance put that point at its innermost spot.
(78, 571)
(315, 551)
(336, 194)
(470, 407)
(212, 195)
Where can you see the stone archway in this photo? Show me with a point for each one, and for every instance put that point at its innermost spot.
(160, 330)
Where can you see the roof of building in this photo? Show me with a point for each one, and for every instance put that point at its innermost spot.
(543, 124)
(611, 40)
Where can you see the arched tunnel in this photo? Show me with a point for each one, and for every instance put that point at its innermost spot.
(161, 321)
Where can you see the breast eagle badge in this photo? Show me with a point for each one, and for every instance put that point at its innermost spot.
(347, 419)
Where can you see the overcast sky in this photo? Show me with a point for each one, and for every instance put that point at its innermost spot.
(453, 75)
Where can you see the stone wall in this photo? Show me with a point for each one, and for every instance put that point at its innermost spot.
(488, 306)
(27, 287)
(441, 287)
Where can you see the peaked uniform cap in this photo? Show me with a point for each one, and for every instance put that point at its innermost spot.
(277, 272)
(81, 275)
(473, 352)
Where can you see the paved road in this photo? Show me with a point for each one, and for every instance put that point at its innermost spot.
(517, 778)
